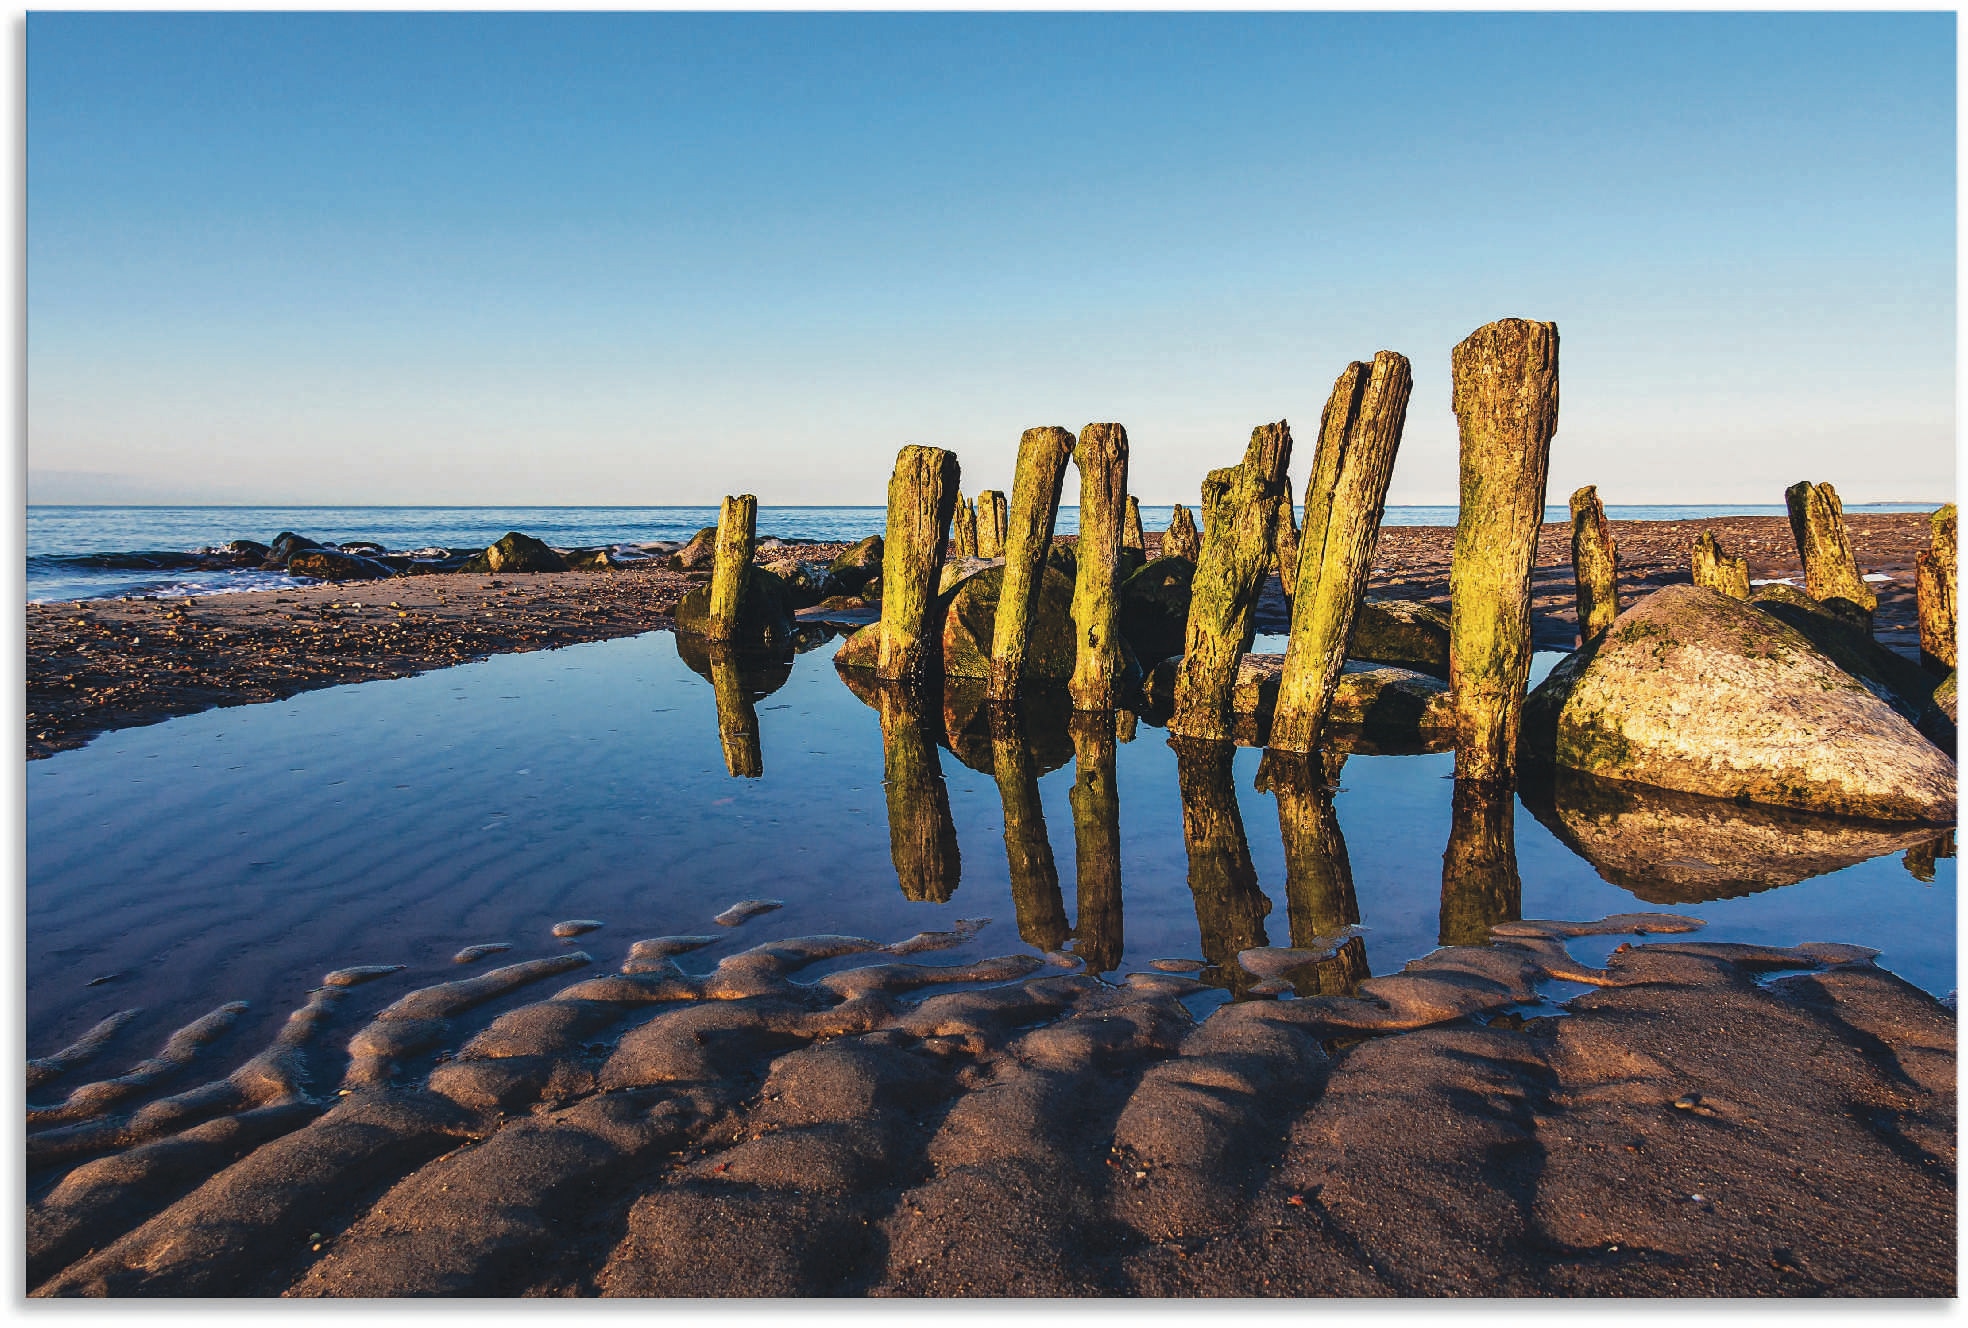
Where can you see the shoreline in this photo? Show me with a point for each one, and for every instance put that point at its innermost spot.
(95, 666)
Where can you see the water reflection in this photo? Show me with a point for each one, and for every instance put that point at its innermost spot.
(738, 679)
(1230, 909)
(922, 835)
(1320, 901)
(1034, 876)
(1480, 886)
(1097, 841)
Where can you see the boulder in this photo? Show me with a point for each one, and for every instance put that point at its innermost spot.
(970, 615)
(807, 583)
(956, 571)
(249, 553)
(285, 545)
(765, 618)
(699, 554)
(334, 565)
(1155, 608)
(1404, 632)
(1695, 691)
(858, 565)
(1944, 698)
(1849, 644)
(518, 553)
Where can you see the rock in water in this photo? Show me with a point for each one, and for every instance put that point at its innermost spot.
(1402, 632)
(971, 613)
(699, 554)
(1155, 608)
(1695, 691)
(517, 553)
(765, 619)
(858, 565)
(329, 565)
(285, 545)
(1380, 701)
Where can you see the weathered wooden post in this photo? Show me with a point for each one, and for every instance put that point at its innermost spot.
(1595, 564)
(1096, 844)
(1180, 540)
(1714, 568)
(738, 725)
(1230, 909)
(922, 835)
(1240, 511)
(1285, 547)
(1035, 896)
(1359, 435)
(922, 497)
(1319, 895)
(1132, 536)
(1817, 520)
(1934, 589)
(1480, 885)
(1506, 404)
(991, 522)
(1042, 457)
(1102, 456)
(737, 540)
(963, 529)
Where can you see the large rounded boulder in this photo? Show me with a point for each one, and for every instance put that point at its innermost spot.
(970, 617)
(515, 552)
(1692, 690)
(765, 618)
(1403, 632)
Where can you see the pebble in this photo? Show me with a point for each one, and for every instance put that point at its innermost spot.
(745, 909)
(1178, 965)
(576, 926)
(472, 953)
(350, 977)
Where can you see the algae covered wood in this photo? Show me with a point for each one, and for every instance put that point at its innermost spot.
(991, 524)
(922, 498)
(1096, 842)
(963, 529)
(1817, 521)
(1035, 897)
(1505, 393)
(737, 540)
(1042, 457)
(1240, 511)
(1359, 435)
(1714, 568)
(1132, 536)
(1181, 539)
(1595, 564)
(1935, 591)
(1284, 546)
(1102, 456)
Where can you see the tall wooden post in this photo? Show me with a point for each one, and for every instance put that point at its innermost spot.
(1096, 844)
(1713, 567)
(963, 530)
(1359, 435)
(1240, 509)
(1480, 885)
(1817, 521)
(922, 835)
(737, 539)
(922, 497)
(1285, 547)
(1595, 564)
(1934, 588)
(1102, 456)
(1035, 896)
(1506, 404)
(1181, 539)
(991, 521)
(1042, 457)
(1132, 536)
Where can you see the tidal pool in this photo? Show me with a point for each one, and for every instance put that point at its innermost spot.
(241, 853)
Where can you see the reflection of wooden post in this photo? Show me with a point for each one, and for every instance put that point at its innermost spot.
(1042, 457)
(1480, 887)
(1319, 896)
(922, 835)
(1506, 405)
(1935, 589)
(1240, 509)
(737, 530)
(1714, 568)
(1126, 724)
(1180, 540)
(1230, 908)
(990, 524)
(738, 724)
(1034, 876)
(1358, 437)
(1817, 521)
(1132, 536)
(1096, 844)
(963, 530)
(1595, 564)
(1102, 456)
(922, 497)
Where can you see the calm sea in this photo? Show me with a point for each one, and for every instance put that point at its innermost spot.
(64, 542)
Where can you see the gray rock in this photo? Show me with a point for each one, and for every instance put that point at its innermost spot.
(1402, 632)
(334, 565)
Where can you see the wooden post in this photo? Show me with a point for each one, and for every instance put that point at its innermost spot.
(1230, 909)
(922, 497)
(1319, 895)
(1042, 457)
(1102, 456)
(991, 522)
(1480, 885)
(1595, 564)
(738, 725)
(1714, 568)
(1284, 548)
(1817, 521)
(1359, 435)
(922, 835)
(1506, 405)
(1035, 893)
(1096, 844)
(963, 530)
(1240, 511)
(1935, 591)
(737, 531)
(1132, 536)
(1180, 540)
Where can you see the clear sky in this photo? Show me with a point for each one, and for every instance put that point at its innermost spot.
(397, 258)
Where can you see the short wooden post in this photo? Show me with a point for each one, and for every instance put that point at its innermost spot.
(963, 529)
(1240, 511)
(1817, 521)
(1181, 540)
(1359, 435)
(1480, 885)
(737, 540)
(738, 725)
(1102, 456)
(922, 835)
(991, 523)
(1506, 403)
(1096, 844)
(1714, 568)
(1042, 457)
(1230, 909)
(922, 498)
(1934, 588)
(1132, 536)
(1595, 564)
(1319, 895)
(1035, 896)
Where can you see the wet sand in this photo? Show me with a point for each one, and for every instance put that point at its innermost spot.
(1708, 1119)
(100, 665)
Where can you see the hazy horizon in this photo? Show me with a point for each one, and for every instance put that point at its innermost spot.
(650, 259)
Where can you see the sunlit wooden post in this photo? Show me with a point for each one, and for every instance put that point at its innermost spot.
(1595, 564)
(1181, 539)
(1102, 456)
(1132, 536)
(963, 530)
(737, 539)
(1935, 589)
(991, 522)
(1817, 521)
(1713, 567)
(922, 498)
(1042, 457)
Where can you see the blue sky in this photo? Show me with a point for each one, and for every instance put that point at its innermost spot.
(400, 258)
